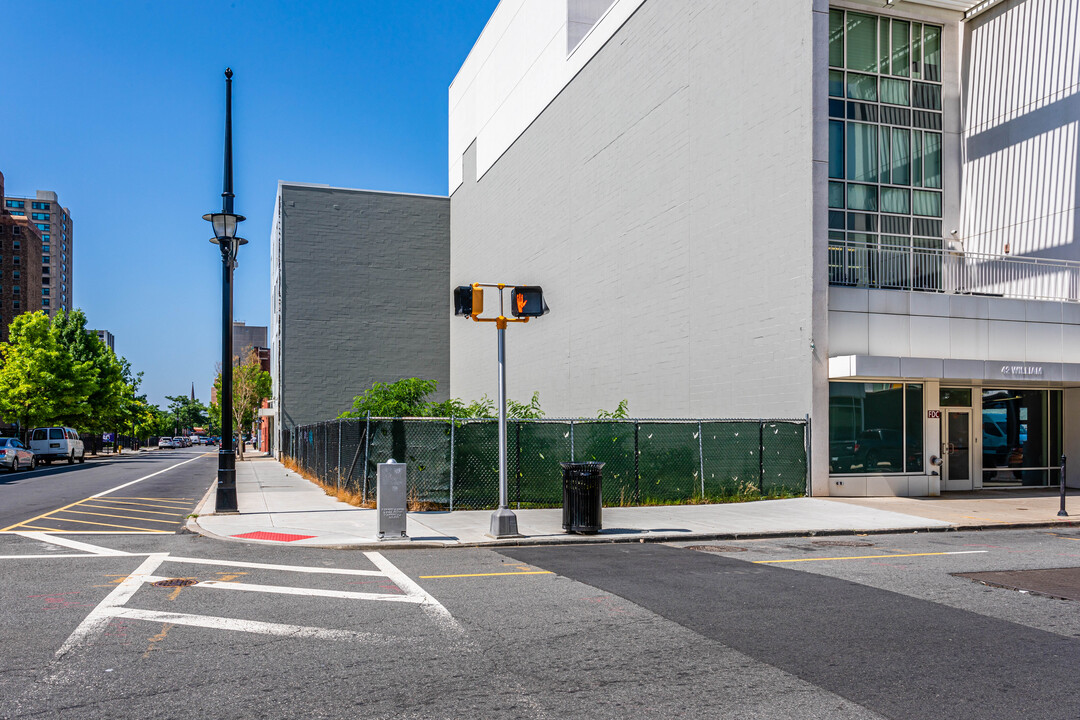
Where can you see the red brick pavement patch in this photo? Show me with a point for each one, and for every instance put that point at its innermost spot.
(279, 537)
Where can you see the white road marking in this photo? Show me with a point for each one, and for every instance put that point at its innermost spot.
(430, 605)
(288, 590)
(49, 557)
(144, 477)
(251, 626)
(73, 544)
(99, 617)
(265, 566)
(113, 606)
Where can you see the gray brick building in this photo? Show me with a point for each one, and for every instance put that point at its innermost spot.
(360, 286)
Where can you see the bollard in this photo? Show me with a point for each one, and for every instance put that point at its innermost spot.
(1061, 482)
(390, 499)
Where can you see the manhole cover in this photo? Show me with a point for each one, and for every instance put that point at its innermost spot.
(842, 543)
(717, 548)
(176, 582)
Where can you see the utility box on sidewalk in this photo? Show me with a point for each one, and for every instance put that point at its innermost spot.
(390, 499)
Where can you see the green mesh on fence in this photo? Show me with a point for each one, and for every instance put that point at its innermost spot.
(533, 456)
(611, 443)
(731, 457)
(645, 462)
(783, 458)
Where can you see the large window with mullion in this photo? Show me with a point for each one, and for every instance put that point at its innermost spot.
(875, 428)
(885, 147)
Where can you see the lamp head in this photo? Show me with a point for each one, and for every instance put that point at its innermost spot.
(224, 224)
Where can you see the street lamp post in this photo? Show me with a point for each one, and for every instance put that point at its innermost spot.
(224, 223)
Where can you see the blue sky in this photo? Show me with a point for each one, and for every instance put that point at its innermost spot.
(119, 107)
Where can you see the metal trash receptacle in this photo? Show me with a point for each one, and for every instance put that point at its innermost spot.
(582, 498)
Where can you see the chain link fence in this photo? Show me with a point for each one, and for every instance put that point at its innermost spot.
(454, 463)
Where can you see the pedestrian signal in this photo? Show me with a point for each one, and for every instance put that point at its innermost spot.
(468, 300)
(527, 301)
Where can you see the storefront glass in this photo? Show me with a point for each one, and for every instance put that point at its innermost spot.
(1021, 437)
(875, 427)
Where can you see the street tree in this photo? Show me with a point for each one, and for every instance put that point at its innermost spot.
(250, 385)
(186, 412)
(41, 382)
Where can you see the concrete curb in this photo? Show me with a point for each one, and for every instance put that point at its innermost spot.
(643, 537)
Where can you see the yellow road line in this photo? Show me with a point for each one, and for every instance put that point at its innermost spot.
(85, 522)
(171, 500)
(36, 527)
(868, 557)
(127, 509)
(162, 504)
(43, 515)
(122, 517)
(532, 572)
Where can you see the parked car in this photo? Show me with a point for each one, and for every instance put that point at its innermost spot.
(14, 455)
(57, 443)
(166, 442)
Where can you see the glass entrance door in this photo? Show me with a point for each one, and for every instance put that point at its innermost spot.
(956, 450)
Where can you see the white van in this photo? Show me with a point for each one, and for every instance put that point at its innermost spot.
(57, 443)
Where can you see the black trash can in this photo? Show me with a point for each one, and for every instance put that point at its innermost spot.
(582, 502)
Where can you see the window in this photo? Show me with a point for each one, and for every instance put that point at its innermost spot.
(15, 274)
(16, 230)
(885, 121)
(15, 304)
(39, 205)
(2, 229)
(1021, 437)
(875, 428)
(15, 290)
(44, 281)
(16, 244)
(44, 248)
(45, 238)
(15, 260)
(44, 302)
(39, 216)
(42, 226)
(15, 203)
(44, 271)
(45, 259)
(18, 213)
(44, 291)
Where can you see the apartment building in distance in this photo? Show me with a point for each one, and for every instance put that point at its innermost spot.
(106, 337)
(865, 213)
(245, 337)
(20, 266)
(55, 236)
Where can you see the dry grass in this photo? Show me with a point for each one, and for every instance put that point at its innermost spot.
(342, 494)
(413, 502)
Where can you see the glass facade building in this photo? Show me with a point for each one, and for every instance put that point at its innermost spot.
(885, 141)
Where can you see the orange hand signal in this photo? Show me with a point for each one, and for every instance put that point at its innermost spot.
(521, 302)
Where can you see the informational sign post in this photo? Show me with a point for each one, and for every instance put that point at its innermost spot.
(390, 500)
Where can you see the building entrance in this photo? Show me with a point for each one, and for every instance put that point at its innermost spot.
(956, 450)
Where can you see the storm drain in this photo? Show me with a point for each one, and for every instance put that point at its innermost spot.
(842, 543)
(716, 548)
(176, 582)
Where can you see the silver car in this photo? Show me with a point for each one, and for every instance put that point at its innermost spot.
(15, 455)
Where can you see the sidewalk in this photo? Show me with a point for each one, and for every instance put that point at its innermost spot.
(277, 505)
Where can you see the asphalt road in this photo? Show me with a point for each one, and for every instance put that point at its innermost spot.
(147, 492)
(762, 629)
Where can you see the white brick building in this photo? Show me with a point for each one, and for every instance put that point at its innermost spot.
(769, 208)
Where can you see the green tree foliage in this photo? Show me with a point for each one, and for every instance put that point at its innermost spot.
(41, 383)
(111, 387)
(620, 413)
(185, 413)
(408, 397)
(250, 385)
